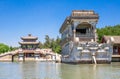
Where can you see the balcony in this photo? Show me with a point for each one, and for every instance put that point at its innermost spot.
(85, 35)
(28, 51)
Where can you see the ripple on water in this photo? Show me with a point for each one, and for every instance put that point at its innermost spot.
(51, 70)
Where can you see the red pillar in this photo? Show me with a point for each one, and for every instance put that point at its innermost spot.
(119, 50)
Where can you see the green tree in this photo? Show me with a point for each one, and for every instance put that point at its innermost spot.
(52, 43)
(40, 45)
(3, 48)
(47, 43)
(108, 30)
(12, 48)
(58, 47)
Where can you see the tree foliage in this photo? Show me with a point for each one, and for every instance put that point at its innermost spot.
(40, 45)
(13, 48)
(48, 42)
(56, 45)
(52, 43)
(3, 48)
(108, 30)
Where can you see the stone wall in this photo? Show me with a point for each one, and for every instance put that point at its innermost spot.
(7, 57)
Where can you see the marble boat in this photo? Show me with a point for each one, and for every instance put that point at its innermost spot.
(79, 39)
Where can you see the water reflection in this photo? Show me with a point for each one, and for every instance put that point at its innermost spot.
(40, 70)
(9, 70)
(51, 70)
(87, 71)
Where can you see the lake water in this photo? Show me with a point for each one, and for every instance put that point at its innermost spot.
(51, 70)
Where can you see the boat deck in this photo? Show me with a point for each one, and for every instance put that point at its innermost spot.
(115, 56)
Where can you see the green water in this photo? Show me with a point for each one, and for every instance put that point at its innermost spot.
(51, 70)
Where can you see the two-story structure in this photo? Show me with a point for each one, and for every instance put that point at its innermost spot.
(79, 39)
(28, 47)
(116, 46)
(30, 51)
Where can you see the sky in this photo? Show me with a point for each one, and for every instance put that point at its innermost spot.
(44, 17)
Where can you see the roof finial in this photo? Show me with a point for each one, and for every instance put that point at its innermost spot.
(29, 35)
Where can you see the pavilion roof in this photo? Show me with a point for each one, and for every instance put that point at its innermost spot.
(28, 42)
(29, 37)
(116, 39)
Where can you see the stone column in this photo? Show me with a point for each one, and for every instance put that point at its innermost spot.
(26, 47)
(74, 34)
(89, 31)
(94, 30)
(21, 55)
(75, 24)
(37, 54)
(53, 57)
(32, 47)
(69, 30)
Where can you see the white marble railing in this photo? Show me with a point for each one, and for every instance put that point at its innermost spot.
(96, 50)
(85, 35)
(10, 52)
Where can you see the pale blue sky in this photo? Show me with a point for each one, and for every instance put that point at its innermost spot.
(45, 17)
